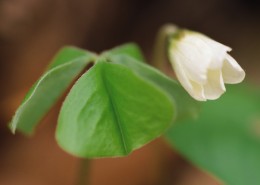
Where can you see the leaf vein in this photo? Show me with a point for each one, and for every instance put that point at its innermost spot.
(116, 116)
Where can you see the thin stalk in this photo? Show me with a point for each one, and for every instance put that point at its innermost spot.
(160, 51)
(83, 174)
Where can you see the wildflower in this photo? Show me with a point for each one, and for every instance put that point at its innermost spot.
(203, 65)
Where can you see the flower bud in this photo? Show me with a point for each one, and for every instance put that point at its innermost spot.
(203, 65)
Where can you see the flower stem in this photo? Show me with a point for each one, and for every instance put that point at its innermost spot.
(160, 51)
(83, 174)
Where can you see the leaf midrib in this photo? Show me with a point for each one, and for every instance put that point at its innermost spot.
(116, 114)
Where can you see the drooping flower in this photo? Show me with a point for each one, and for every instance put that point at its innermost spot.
(203, 65)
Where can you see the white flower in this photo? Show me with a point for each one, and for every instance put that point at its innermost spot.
(203, 65)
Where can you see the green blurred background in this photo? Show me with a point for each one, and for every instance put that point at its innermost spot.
(31, 32)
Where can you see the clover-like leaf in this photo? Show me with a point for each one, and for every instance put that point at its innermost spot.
(129, 49)
(187, 107)
(111, 111)
(67, 65)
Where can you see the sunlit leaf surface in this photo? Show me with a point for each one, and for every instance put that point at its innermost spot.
(111, 111)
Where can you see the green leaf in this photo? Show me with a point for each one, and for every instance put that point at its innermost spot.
(67, 54)
(65, 68)
(111, 111)
(225, 140)
(130, 50)
(186, 106)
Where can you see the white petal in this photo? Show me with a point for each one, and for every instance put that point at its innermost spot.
(181, 75)
(214, 87)
(197, 91)
(232, 72)
(218, 58)
(194, 89)
(194, 58)
(218, 51)
(213, 43)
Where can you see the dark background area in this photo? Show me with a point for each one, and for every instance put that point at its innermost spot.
(32, 31)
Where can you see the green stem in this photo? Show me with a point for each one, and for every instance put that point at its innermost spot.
(83, 174)
(160, 51)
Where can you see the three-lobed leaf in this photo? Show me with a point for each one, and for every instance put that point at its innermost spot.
(119, 105)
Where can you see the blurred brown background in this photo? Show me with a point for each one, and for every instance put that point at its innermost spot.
(31, 31)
